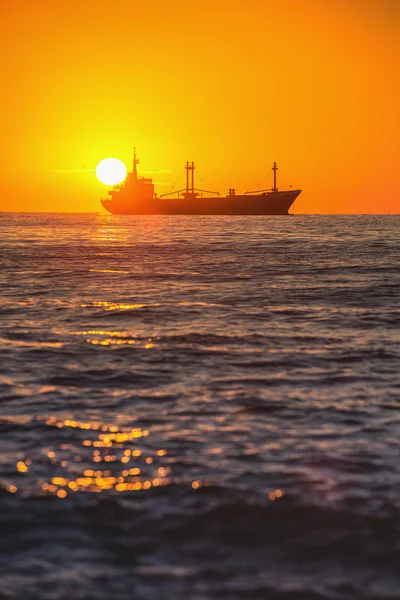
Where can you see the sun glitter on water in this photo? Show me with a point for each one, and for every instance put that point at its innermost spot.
(111, 171)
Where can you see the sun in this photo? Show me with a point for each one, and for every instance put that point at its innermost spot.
(111, 171)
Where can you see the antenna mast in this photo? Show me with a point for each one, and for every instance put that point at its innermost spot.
(188, 168)
(274, 168)
(135, 162)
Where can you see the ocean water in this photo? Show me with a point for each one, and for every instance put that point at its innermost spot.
(199, 407)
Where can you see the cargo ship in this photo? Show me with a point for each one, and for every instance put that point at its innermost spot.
(136, 196)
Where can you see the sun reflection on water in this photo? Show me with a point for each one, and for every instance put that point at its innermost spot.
(115, 305)
(111, 462)
(100, 337)
(114, 465)
(94, 457)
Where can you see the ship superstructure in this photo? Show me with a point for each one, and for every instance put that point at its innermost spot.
(136, 196)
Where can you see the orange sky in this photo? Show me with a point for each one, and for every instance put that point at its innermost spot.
(230, 84)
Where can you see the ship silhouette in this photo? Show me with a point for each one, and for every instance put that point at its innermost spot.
(136, 196)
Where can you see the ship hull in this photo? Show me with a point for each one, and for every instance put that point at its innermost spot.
(271, 203)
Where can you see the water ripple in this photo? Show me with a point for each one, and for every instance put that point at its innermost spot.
(199, 407)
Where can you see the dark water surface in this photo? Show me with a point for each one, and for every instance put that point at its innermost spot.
(199, 407)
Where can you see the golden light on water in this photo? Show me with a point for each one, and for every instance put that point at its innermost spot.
(275, 495)
(118, 467)
(115, 467)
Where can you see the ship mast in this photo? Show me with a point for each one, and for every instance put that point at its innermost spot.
(274, 168)
(273, 190)
(189, 191)
(135, 162)
(188, 168)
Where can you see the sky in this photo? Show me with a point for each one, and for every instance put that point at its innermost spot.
(231, 85)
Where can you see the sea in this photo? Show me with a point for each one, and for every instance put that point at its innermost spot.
(199, 407)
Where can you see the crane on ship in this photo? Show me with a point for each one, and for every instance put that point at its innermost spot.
(273, 190)
(190, 191)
